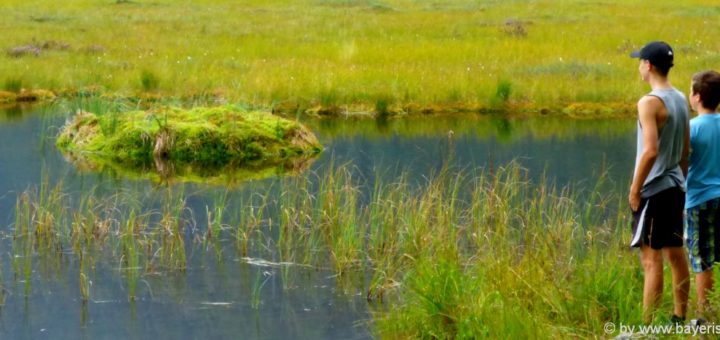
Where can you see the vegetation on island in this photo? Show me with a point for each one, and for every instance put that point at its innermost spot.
(198, 142)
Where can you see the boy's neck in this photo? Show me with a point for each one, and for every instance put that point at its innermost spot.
(704, 111)
(659, 83)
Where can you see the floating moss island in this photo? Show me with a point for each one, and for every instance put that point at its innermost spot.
(194, 143)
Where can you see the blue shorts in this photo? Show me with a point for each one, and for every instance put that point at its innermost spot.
(702, 235)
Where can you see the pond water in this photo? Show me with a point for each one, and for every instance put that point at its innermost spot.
(221, 294)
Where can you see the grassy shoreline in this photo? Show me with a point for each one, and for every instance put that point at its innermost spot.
(352, 55)
(481, 254)
(576, 110)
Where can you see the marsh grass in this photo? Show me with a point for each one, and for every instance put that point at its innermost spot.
(485, 253)
(13, 84)
(172, 240)
(502, 93)
(215, 216)
(383, 107)
(508, 258)
(261, 278)
(49, 223)
(205, 138)
(250, 220)
(149, 80)
(23, 242)
(354, 52)
(515, 259)
(84, 281)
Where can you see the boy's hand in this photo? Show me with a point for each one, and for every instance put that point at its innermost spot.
(634, 199)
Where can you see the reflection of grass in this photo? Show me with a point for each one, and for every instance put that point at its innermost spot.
(355, 52)
(231, 176)
(472, 124)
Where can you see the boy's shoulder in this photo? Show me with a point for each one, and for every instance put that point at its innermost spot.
(650, 106)
(705, 117)
(650, 100)
(704, 120)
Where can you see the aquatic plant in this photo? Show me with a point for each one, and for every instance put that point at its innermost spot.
(84, 281)
(431, 251)
(49, 222)
(486, 253)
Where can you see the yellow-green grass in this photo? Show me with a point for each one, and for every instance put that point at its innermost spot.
(465, 254)
(487, 254)
(357, 55)
(200, 142)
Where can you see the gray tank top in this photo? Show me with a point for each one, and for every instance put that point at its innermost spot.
(666, 172)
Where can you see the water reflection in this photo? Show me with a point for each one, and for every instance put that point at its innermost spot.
(14, 112)
(240, 285)
(213, 301)
(163, 172)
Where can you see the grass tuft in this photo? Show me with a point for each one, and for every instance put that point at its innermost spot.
(149, 80)
(13, 84)
(502, 93)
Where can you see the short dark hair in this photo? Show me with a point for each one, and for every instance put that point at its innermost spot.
(707, 85)
(663, 70)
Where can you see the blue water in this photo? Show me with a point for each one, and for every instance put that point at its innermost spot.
(213, 298)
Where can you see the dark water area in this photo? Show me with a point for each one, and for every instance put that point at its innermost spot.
(222, 294)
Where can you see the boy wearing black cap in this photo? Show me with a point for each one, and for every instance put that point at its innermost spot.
(657, 193)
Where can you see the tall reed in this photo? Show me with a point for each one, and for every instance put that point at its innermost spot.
(485, 253)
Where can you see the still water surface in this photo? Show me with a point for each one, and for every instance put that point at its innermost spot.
(213, 297)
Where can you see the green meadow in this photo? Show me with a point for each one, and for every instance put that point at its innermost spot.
(492, 251)
(353, 55)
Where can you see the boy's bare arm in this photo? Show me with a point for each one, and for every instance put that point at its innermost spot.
(686, 151)
(648, 108)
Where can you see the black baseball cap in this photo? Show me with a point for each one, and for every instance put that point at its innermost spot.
(658, 53)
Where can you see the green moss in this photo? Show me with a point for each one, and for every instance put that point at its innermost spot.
(199, 140)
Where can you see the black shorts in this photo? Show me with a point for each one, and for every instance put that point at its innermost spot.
(658, 222)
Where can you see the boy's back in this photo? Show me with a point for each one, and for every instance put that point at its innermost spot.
(665, 172)
(704, 176)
